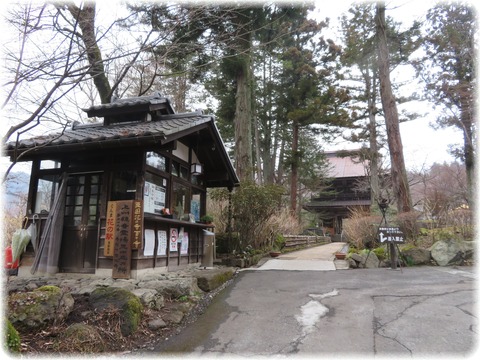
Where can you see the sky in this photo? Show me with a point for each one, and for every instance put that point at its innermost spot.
(422, 145)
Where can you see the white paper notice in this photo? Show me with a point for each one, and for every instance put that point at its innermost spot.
(162, 242)
(149, 242)
(153, 198)
(184, 248)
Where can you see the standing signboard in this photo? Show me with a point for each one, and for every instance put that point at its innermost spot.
(122, 249)
(390, 234)
(123, 232)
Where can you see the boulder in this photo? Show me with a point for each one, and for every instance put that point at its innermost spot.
(352, 263)
(150, 298)
(174, 316)
(366, 260)
(371, 260)
(38, 308)
(357, 258)
(81, 338)
(156, 324)
(173, 288)
(128, 303)
(211, 279)
(417, 256)
(124, 284)
(451, 252)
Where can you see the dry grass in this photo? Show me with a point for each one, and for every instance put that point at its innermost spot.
(361, 228)
(280, 223)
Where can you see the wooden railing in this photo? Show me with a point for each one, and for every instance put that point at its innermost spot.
(303, 240)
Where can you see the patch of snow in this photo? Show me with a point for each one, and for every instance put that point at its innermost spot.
(313, 311)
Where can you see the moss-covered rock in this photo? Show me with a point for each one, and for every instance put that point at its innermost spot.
(129, 304)
(12, 338)
(416, 256)
(212, 279)
(172, 288)
(39, 308)
(81, 338)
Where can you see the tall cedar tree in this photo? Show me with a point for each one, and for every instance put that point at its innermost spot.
(449, 72)
(359, 51)
(399, 174)
(210, 33)
(359, 56)
(309, 99)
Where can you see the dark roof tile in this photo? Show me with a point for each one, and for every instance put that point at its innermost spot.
(100, 133)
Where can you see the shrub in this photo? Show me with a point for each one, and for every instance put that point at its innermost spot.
(253, 207)
(279, 242)
(462, 221)
(407, 222)
(380, 252)
(226, 243)
(12, 338)
(280, 223)
(361, 228)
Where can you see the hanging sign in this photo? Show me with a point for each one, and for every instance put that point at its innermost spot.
(137, 225)
(390, 234)
(110, 228)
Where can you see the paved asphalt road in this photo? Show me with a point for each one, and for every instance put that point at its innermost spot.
(412, 312)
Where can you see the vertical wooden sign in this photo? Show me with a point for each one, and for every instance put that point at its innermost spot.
(122, 250)
(110, 228)
(137, 226)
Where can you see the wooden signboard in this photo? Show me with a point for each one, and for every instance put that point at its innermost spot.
(122, 250)
(137, 225)
(110, 228)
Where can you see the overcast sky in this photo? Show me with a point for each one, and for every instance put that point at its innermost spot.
(422, 145)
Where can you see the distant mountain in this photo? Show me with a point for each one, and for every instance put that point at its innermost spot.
(16, 189)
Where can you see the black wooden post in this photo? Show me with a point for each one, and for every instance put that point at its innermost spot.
(383, 205)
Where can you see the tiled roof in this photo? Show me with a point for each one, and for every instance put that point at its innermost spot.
(345, 167)
(127, 103)
(337, 203)
(167, 125)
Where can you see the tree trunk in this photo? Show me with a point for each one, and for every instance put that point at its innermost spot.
(398, 172)
(281, 157)
(374, 184)
(243, 101)
(258, 158)
(469, 155)
(294, 169)
(373, 158)
(243, 127)
(86, 22)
